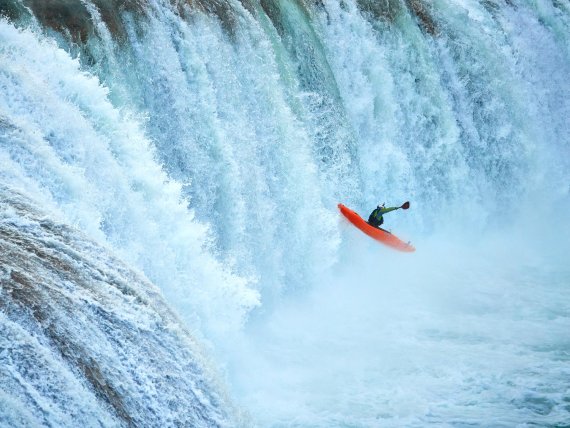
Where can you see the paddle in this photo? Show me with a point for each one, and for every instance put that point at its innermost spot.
(405, 206)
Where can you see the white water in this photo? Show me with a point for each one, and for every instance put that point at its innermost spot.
(84, 339)
(454, 337)
(213, 164)
(66, 144)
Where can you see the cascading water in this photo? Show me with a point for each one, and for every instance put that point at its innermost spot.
(87, 340)
(207, 144)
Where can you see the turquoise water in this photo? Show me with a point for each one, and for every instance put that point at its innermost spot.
(209, 150)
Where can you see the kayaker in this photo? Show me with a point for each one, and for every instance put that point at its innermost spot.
(376, 217)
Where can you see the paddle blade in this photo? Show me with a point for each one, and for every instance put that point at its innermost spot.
(405, 206)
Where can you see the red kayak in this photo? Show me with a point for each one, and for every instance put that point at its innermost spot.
(379, 234)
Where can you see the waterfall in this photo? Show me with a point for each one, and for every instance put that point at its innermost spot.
(85, 338)
(206, 144)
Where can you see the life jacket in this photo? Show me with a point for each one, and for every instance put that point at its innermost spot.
(376, 216)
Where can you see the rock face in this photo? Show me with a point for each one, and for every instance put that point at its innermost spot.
(86, 341)
(389, 10)
(72, 17)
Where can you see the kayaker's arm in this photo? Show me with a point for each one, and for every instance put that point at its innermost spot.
(387, 210)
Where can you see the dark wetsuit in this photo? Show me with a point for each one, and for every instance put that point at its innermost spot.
(376, 217)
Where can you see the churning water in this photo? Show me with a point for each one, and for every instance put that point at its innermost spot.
(206, 145)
